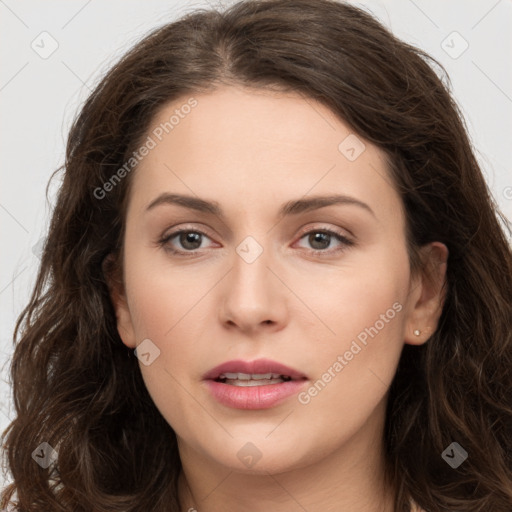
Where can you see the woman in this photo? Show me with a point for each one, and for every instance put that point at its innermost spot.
(275, 279)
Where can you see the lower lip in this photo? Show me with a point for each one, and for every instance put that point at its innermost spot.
(253, 397)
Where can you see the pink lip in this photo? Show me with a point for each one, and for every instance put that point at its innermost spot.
(254, 397)
(256, 366)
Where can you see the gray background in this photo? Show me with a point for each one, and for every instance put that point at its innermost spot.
(41, 92)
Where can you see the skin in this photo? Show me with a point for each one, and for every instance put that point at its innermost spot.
(252, 151)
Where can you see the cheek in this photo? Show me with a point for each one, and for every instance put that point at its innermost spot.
(161, 296)
(355, 359)
(161, 303)
(163, 311)
(356, 296)
(350, 377)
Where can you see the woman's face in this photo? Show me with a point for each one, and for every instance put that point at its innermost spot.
(271, 182)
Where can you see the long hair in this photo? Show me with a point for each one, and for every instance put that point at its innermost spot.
(79, 389)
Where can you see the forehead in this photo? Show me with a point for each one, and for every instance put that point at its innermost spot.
(260, 146)
(250, 122)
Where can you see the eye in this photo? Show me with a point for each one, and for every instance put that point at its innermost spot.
(320, 240)
(190, 241)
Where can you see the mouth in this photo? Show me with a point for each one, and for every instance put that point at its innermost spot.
(260, 372)
(252, 379)
(259, 384)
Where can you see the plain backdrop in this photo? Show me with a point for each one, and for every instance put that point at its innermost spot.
(54, 52)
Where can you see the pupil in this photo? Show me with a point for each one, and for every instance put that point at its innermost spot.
(319, 237)
(192, 238)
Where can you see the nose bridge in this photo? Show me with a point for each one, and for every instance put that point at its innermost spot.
(250, 266)
(252, 294)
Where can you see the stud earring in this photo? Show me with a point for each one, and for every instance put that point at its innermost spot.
(417, 332)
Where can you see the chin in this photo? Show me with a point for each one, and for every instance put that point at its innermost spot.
(261, 456)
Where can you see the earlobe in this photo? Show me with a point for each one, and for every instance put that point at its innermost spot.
(118, 298)
(429, 294)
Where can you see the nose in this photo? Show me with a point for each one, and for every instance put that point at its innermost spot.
(254, 296)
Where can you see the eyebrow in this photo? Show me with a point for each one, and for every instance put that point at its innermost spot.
(293, 207)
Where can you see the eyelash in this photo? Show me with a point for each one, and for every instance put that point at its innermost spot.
(346, 243)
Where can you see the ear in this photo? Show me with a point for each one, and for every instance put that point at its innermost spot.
(427, 294)
(113, 277)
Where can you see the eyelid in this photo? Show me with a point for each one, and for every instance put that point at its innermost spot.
(345, 241)
(332, 230)
(164, 239)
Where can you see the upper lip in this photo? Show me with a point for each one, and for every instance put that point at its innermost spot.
(258, 366)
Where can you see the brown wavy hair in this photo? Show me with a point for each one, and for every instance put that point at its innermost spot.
(77, 387)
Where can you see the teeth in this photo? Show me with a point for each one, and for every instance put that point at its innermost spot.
(241, 376)
(249, 383)
(250, 376)
(252, 379)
